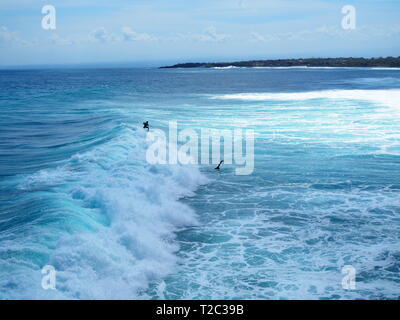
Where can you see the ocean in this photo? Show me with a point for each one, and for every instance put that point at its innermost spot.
(77, 193)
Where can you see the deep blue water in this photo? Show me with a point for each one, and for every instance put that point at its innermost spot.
(76, 191)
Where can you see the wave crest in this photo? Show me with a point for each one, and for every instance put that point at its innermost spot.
(389, 98)
(114, 226)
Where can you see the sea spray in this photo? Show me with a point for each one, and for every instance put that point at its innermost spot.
(121, 219)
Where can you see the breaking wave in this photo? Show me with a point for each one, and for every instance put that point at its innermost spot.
(108, 227)
(390, 98)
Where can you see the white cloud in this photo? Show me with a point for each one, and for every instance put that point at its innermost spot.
(129, 35)
(257, 37)
(8, 36)
(363, 32)
(102, 35)
(211, 34)
(57, 40)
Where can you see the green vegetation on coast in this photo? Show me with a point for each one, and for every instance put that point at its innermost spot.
(389, 62)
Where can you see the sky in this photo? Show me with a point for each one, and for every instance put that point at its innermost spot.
(150, 32)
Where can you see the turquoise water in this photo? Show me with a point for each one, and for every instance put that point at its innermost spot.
(77, 192)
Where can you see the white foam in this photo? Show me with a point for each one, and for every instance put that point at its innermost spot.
(118, 219)
(389, 98)
(227, 67)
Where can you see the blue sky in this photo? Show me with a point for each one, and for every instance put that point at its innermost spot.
(153, 31)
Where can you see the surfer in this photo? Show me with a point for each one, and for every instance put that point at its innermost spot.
(146, 125)
(217, 167)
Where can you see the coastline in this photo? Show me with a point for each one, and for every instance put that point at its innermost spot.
(388, 62)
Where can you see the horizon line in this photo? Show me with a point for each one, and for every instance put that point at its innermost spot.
(158, 63)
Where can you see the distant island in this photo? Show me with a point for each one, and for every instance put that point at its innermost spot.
(389, 62)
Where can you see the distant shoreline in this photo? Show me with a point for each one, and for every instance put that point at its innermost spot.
(389, 62)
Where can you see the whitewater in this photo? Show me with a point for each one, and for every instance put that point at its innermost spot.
(77, 193)
(111, 223)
